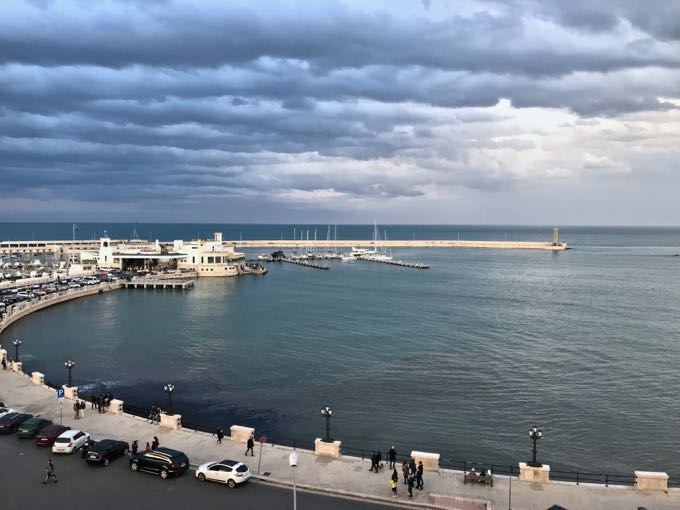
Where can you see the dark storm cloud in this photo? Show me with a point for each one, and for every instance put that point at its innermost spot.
(288, 99)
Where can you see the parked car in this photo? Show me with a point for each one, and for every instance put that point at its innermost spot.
(47, 436)
(104, 451)
(231, 472)
(70, 441)
(162, 461)
(30, 428)
(11, 421)
(6, 410)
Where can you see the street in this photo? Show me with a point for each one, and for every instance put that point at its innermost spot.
(22, 470)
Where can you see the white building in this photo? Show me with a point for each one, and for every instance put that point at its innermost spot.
(209, 257)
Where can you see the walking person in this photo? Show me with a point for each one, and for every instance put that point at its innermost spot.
(394, 481)
(378, 460)
(419, 476)
(4, 362)
(82, 407)
(405, 470)
(250, 445)
(155, 443)
(93, 401)
(147, 448)
(49, 472)
(135, 447)
(411, 481)
(220, 435)
(412, 466)
(392, 456)
(76, 410)
(374, 458)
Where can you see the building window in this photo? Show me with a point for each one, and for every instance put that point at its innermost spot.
(201, 260)
(193, 260)
(106, 257)
(211, 260)
(218, 260)
(115, 259)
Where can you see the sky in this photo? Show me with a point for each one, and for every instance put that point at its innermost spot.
(478, 112)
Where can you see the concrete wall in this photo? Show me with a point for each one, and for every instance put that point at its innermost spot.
(27, 308)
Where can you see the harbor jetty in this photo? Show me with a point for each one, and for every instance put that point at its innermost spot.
(302, 245)
(158, 283)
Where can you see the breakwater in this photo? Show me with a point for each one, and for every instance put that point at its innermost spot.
(358, 243)
(16, 312)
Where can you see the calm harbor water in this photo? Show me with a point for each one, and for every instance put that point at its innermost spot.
(460, 359)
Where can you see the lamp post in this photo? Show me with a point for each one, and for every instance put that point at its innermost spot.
(327, 412)
(535, 434)
(69, 364)
(16, 342)
(169, 388)
(293, 461)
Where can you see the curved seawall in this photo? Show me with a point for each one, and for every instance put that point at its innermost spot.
(21, 310)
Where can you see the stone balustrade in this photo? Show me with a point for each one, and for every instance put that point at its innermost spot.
(327, 449)
(241, 434)
(430, 460)
(38, 378)
(116, 406)
(534, 474)
(70, 392)
(651, 481)
(171, 421)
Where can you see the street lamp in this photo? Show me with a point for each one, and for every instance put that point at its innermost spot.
(327, 412)
(293, 461)
(169, 388)
(16, 343)
(69, 364)
(535, 434)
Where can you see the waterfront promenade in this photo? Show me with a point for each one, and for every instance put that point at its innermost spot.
(412, 244)
(346, 476)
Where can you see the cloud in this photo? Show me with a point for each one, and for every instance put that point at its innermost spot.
(308, 106)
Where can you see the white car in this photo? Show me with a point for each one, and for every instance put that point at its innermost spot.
(6, 410)
(231, 472)
(70, 441)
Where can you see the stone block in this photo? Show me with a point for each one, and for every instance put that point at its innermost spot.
(241, 434)
(325, 449)
(17, 367)
(38, 378)
(171, 421)
(430, 460)
(116, 406)
(70, 392)
(651, 481)
(534, 474)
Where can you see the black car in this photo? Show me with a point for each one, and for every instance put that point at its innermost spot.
(161, 461)
(104, 451)
(10, 422)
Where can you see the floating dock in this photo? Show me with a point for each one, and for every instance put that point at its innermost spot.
(158, 284)
(304, 263)
(400, 263)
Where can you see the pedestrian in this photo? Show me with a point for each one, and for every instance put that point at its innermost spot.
(148, 447)
(405, 470)
(93, 401)
(378, 460)
(76, 410)
(411, 481)
(49, 472)
(4, 362)
(152, 414)
(220, 435)
(155, 443)
(250, 445)
(82, 407)
(419, 476)
(100, 404)
(394, 483)
(412, 466)
(135, 447)
(374, 458)
(392, 455)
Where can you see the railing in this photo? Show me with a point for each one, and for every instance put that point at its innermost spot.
(576, 477)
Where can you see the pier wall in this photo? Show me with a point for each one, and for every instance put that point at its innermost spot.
(329, 245)
(22, 310)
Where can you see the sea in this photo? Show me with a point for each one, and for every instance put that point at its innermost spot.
(460, 359)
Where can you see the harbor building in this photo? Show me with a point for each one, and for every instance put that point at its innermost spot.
(209, 257)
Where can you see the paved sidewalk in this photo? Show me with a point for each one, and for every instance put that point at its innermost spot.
(348, 476)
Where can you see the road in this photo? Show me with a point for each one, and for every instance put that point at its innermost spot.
(22, 469)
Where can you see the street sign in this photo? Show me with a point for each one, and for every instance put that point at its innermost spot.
(263, 439)
(60, 393)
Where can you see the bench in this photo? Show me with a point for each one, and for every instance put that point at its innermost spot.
(477, 478)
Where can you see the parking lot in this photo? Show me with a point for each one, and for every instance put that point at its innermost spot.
(22, 470)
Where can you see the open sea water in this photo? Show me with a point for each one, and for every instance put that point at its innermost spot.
(459, 359)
